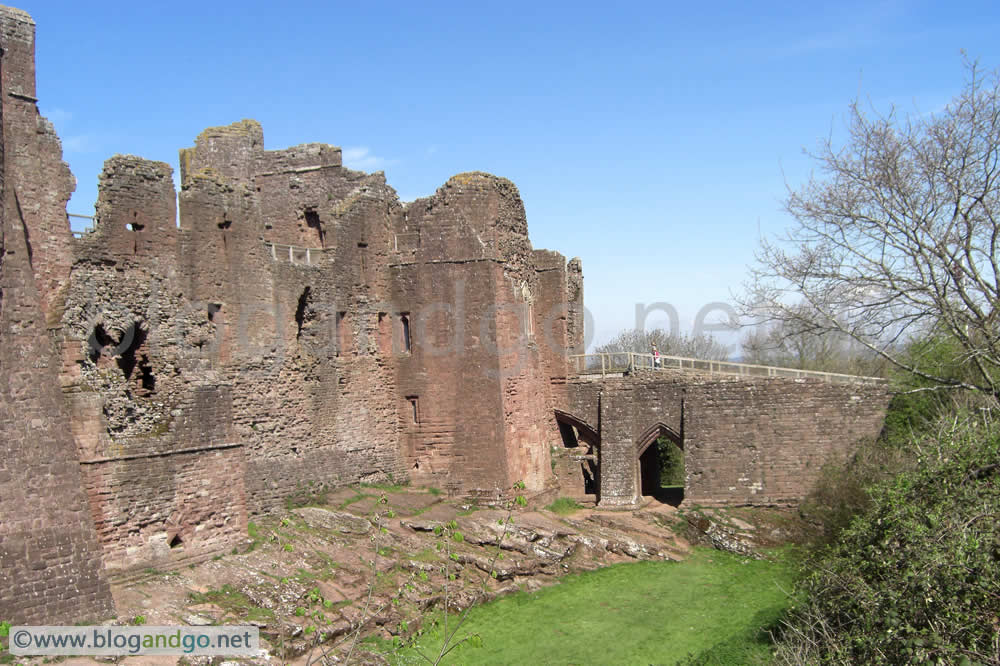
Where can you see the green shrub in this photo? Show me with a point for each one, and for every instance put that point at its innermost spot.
(671, 463)
(919, 403)
(841, 491)
(916, 578)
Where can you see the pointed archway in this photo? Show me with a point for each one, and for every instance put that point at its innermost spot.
(652, 459)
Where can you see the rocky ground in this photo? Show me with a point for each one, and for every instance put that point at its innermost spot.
(387, 560)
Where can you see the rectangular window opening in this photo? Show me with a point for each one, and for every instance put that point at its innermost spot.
(341, 333)
(415, 407)
(404, 320)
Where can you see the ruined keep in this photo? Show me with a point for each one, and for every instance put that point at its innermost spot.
(284, 324)
(281, 324)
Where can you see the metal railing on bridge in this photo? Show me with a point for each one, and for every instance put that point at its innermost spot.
(620, 363)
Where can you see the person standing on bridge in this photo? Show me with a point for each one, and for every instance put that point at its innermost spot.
(656, 357)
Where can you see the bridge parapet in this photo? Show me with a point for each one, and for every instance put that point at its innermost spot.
(624, 363)
(747, 440)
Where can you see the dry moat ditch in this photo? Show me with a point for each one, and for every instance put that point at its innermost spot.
(305, 576)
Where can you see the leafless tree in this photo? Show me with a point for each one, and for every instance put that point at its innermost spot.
(897, 236)
(803, 345)
(641, 341)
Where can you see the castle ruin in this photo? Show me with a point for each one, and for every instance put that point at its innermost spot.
(284, 324)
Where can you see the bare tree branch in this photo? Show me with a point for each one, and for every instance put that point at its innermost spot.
(896, 238)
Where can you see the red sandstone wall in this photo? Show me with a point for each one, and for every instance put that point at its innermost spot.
(209, 371)
(39, 181)
(765, 443)
(465, 276)
(49, 553)
(760, 441)
(557, 309)
(455, 440)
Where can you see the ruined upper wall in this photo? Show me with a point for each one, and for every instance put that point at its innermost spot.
(230, 150)
(18, 30)
(136, 212)
(37, 177)
(302, 158)
(474, 215)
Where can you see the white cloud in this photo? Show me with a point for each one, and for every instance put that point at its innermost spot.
(361, 157)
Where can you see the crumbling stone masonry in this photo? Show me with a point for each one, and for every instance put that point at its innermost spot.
(50, 559)
(284, 325)
(281, 325)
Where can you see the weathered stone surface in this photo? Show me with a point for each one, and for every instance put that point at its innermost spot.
(337, 521)
(197, 620)
(746, 441)
(283, 327)
(49, 553)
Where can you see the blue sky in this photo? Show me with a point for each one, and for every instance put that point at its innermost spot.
(653, 141)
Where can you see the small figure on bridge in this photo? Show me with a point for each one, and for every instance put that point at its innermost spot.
(656, 357)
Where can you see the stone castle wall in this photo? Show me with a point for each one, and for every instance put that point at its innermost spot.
(350, 338)
(284, 324)
(49, 551)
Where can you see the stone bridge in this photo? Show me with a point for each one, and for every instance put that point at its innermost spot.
(746, 439)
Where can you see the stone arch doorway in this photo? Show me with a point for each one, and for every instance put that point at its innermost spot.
(576, 462)
(650, 463)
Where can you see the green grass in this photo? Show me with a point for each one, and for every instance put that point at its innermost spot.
(714, 608)
(386, 486)
(232, 601)
(564, 506)
(357, 498)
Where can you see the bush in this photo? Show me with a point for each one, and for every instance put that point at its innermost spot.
(672, 473)
(916, 578)
(919, 403)
(841, 491)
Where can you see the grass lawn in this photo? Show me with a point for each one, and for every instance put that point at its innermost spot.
(712, 606)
